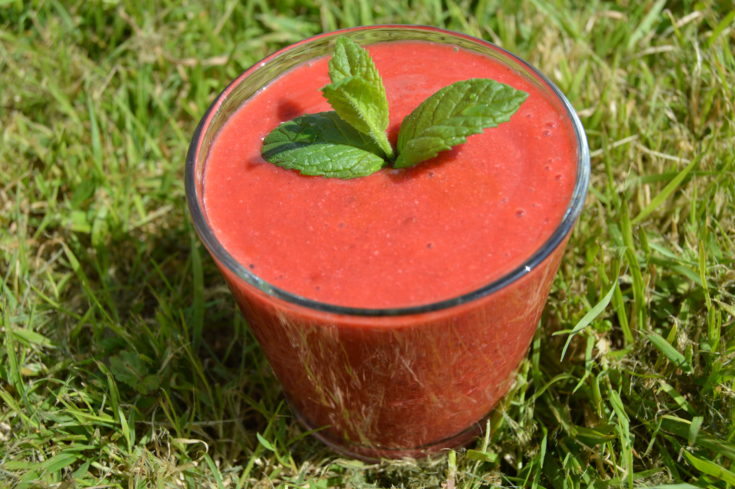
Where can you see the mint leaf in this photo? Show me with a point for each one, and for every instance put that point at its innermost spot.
(351, 60)
(357, 93)
(455, 112)
(322, 144)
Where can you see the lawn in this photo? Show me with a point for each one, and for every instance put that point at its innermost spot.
(124, 362)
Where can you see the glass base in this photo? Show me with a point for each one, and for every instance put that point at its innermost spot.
(372, 453)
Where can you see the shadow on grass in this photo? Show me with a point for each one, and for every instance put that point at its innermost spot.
(156, 327)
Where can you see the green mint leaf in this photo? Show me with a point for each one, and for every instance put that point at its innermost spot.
(455, 112)
(357, 93)
(322, 144)
(350, 59)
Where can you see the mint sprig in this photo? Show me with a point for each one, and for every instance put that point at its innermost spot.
(351, 141)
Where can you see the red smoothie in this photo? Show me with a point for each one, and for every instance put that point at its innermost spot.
(398, 237)
(372, 356)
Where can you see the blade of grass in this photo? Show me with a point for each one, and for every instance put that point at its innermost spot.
(587, 319)
(670, 188)
(711, 469)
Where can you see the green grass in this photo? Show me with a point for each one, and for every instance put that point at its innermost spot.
(125, 364)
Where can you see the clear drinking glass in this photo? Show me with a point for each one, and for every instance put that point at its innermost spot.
(389, 382)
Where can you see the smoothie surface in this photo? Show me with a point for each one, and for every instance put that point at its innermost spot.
(398, 237)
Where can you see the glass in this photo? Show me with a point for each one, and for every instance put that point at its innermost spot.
(389, 382)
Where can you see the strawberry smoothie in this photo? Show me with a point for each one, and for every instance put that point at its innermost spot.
(393, 308)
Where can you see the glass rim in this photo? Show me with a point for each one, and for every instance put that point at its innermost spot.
(564, 227)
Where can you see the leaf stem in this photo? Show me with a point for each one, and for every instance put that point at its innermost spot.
(382, 140)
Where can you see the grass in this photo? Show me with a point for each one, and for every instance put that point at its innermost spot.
(125, 364)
